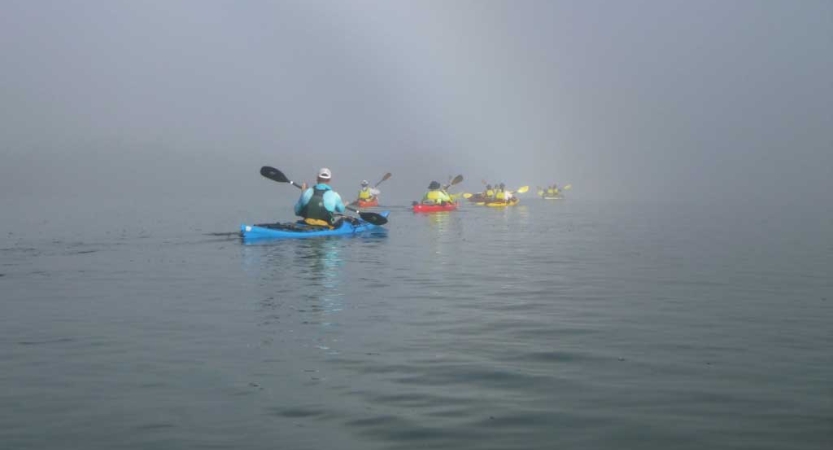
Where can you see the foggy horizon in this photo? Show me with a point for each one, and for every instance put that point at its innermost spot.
(691, 101)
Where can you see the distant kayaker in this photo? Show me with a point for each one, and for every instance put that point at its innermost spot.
(499, 191)
(367, 193)
(436, 195)
(489, 193)
(319, 204)
(552, 191)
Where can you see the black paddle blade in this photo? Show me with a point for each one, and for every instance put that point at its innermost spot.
(374, 218)
(370, 217)
(456, 180)
(273, 174)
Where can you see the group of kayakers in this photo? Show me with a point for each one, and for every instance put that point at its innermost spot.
(551, 191)
(498, 193)
(320, 205)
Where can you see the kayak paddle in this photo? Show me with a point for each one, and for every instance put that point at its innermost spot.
(276, 175)
(456, 180)
(385, 177)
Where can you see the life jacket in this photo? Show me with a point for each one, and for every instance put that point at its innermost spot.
(498, 193)
(435, 196)
(365, 194)
(552, 192)
(489, 193)
(315, 211)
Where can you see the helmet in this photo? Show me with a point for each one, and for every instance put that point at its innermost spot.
(502, 185)
(365, 183)
(325, 173)
(434, 185)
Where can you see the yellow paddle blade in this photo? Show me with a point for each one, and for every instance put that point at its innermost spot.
(467, 195)
(523, 189)
(567, 187)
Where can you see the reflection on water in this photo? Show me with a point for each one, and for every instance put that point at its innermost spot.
(322, 271)
(309, 274)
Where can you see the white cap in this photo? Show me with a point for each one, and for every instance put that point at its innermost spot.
(324, 174)
(365, 183)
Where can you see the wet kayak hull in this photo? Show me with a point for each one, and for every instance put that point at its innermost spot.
(367, 204)
(300, 230)
(421, 208)
(499, 204)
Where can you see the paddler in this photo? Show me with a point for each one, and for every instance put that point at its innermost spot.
(367, 193)
(319, 204)
(436, 195)
(499, 191)
(489, 192)
(552, 191)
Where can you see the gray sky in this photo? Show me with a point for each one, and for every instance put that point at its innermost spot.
(659, 100)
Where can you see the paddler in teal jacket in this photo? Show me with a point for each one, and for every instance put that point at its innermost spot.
(319, 204)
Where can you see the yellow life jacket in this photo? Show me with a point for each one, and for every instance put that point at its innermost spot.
(551, 192)
(436, 196)
(364, 194)
(489, 193)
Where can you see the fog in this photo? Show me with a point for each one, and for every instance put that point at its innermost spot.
(654, 100)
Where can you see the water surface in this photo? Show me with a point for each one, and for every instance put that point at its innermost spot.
(552, 324)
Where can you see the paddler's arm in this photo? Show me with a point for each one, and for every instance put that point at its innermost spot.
(303, 200)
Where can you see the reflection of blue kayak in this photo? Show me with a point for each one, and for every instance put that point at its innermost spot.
(297, 230)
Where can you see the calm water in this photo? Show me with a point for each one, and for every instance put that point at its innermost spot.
(549, 325)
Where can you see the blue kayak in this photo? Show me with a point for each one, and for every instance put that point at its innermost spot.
(300, 230)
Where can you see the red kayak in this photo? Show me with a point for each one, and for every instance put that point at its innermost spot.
(367, 204)
(419, 207)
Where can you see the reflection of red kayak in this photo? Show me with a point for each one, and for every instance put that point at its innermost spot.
(367, 204)
(420, 207)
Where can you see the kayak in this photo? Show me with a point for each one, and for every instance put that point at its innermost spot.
(477, 198)
(367, 204)
(500, 203)
(299, 229)
(419, 207)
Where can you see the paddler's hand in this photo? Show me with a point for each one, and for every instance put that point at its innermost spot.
(304, 186)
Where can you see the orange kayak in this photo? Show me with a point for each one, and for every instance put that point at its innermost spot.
(367, 204)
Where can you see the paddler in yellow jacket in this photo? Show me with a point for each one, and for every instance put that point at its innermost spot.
(436, 195)
(367, 193)
(489, 192)
(552, 191)
(499, 192)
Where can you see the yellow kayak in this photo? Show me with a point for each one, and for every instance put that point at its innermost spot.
(500, 203)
